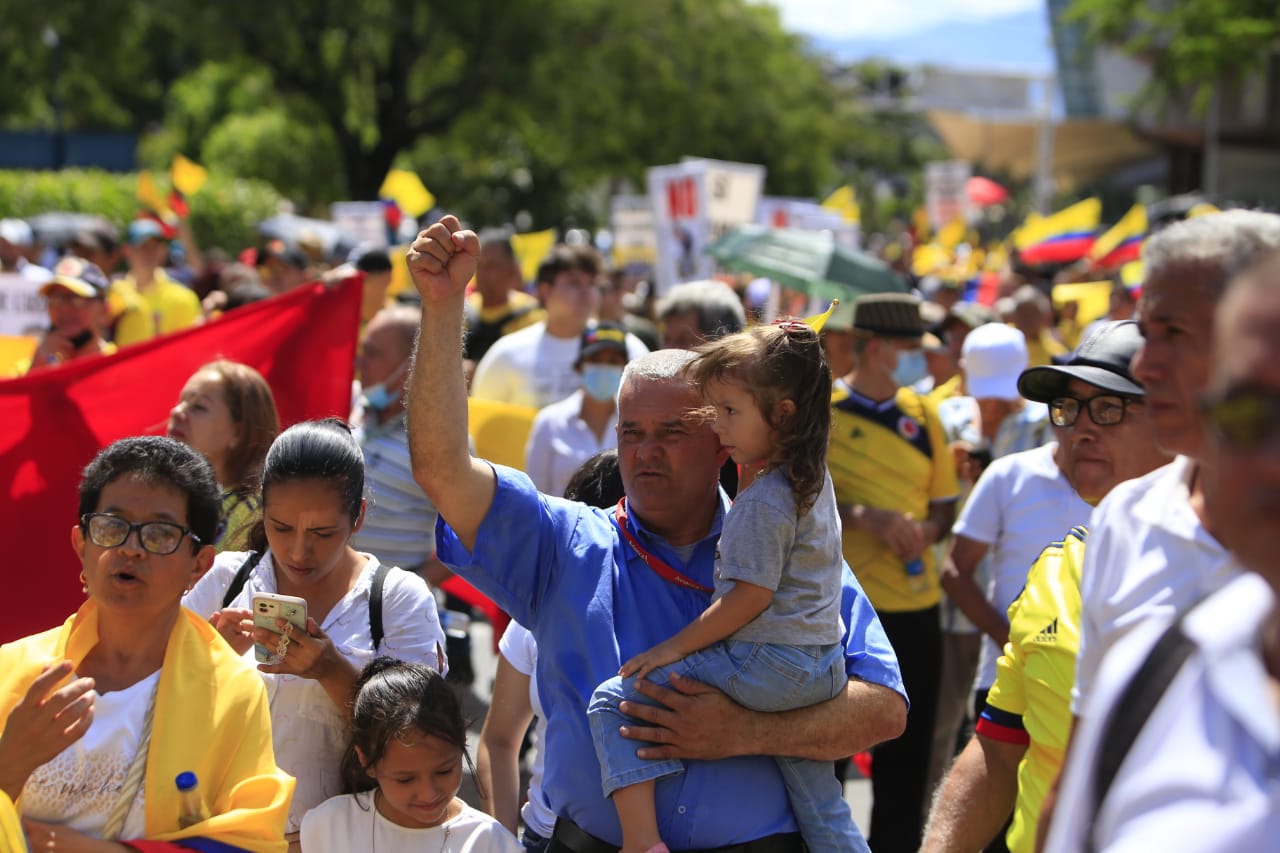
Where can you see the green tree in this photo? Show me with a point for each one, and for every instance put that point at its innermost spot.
(1190, 44)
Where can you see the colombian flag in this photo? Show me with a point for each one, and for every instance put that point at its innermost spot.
(1059, 238)
(1123, 242)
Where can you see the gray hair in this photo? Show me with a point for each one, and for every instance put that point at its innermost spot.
(657, 366)
(1220, 244)
(719, 309)
(1029, 294)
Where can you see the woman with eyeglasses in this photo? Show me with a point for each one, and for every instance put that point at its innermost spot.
(99, 716)
(227, 412)
(312, 505)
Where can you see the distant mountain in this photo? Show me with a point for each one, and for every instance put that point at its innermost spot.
(1018, 42)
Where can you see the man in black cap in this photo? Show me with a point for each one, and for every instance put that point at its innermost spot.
(896, 488)
(1107, 437)
(77, 314)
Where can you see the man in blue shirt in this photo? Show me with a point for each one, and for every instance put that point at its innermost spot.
(597, 587)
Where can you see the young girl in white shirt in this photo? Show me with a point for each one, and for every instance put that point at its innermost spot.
(403, 768)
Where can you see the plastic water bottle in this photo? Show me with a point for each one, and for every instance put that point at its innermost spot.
(915, 575)
(191, 807)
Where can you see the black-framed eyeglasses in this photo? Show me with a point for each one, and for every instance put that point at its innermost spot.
(1245, 419)
(157, 537)
(1104, 409)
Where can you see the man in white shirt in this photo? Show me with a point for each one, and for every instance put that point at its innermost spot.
(1150, 554)
(1200, 771)
(534, 366)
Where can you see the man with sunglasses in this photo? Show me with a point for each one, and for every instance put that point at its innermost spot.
(1106, 437)
(1196, 767)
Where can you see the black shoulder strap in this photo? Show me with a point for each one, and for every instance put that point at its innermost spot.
(242, 575)
(375, 604)
(1132, 710)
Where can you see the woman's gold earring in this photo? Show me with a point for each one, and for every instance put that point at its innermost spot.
(84, 584)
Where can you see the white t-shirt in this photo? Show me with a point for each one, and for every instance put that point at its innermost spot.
(560, 441)
(348, 823)
(1148, 556)
(79, 787)
(1202, 773)
(521, 651)
(533, 368)
(308, 730)
(1020, 505)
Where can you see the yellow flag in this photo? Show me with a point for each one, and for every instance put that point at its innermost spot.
(187, 175)
(531, 248)
(929, 258)
(1093, 299)
(845, 202)
(952, 234)
(405, 188)
(150, 196)
(1082, 217)
(1132, 274)
(1202, 209)
(817, 321)
(920, 223)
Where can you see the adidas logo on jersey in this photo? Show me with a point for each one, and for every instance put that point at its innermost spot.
(1049, 633)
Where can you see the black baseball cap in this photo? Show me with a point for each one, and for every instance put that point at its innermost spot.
(1102, 360)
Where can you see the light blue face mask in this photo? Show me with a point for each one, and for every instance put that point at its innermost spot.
(377, 398)
(911, 368)
(601, 381)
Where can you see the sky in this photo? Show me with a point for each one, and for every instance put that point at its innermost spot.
(974, 34)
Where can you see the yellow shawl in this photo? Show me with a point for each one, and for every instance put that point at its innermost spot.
(211, 718)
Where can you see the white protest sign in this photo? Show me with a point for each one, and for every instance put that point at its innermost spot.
(682, 227)
(22, 308)
(946, 195)
(694, 202)
(635, 242)
(805, 214)
(364, 221)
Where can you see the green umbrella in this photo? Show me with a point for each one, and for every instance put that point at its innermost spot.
(808, 261)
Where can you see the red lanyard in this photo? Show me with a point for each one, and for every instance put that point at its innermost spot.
(660, 567)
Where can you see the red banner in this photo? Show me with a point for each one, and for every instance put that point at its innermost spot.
(53, 422)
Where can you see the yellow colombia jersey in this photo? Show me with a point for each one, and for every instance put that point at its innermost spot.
(890, 455)
(1030, 702)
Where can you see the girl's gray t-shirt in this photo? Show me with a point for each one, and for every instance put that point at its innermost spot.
(765, 543)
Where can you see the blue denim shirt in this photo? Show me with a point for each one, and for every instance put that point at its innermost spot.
(563, 570)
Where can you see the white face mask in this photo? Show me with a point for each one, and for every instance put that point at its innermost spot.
(601, 381)
(911, 368)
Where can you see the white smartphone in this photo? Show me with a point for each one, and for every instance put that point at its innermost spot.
(267, 608)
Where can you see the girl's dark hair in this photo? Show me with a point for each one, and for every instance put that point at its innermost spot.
(253, 410)
(598, 482)
(157, 460)
(393, 699)
(314, 450)
(784, 361)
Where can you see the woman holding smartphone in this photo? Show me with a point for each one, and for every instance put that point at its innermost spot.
(312, 504)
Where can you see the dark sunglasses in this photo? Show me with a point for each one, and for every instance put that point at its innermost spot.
(1243, 418)
(1104, 409)
(157, 537)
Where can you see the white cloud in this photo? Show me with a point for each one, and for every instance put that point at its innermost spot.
(882, 19)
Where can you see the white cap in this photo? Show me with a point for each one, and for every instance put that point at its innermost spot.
(16, 231)
(993, 357)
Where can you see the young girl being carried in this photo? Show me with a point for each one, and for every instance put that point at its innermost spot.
(771, 638)
(403, 768)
